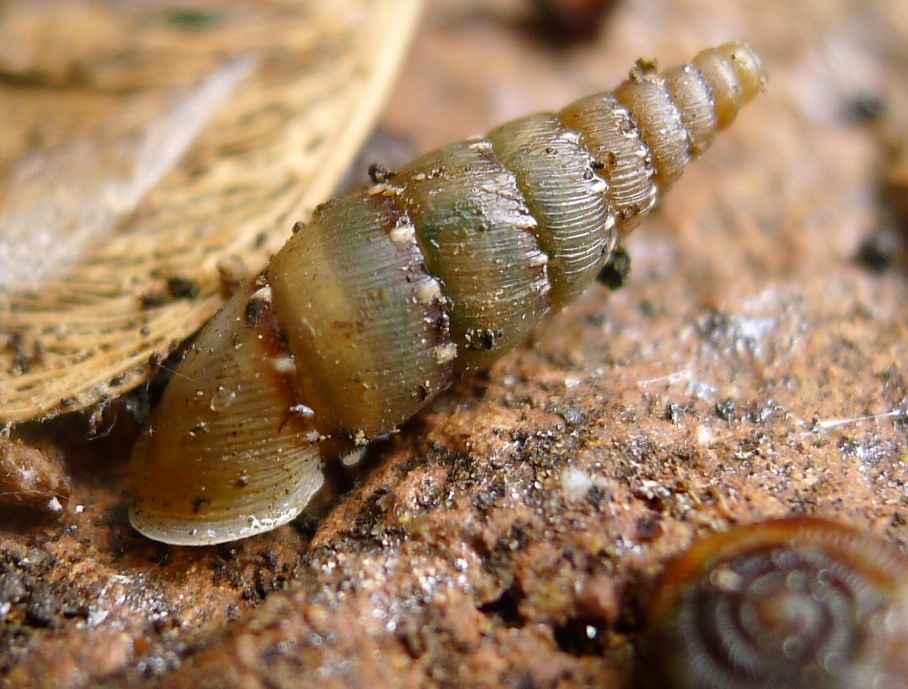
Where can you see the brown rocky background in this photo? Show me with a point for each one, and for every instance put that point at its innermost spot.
(753, 366)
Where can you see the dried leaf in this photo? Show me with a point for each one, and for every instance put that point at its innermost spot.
(106, 111)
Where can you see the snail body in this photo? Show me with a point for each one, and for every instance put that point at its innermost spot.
(787, 604)
(370, 309)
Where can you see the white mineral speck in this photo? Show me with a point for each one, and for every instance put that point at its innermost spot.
(575, 483)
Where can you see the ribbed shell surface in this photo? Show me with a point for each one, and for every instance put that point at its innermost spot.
(554, 173)
(365, 315)
(244, 460)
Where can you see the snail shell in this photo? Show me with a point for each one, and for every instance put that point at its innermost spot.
(788, 604)
(368, 311)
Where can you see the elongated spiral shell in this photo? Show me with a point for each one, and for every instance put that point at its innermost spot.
(368, 311)
(788, 604)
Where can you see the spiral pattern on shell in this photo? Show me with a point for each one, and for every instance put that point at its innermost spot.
(368, 311)
(788, 604)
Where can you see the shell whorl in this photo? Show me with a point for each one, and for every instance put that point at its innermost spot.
(787, 604)
(437, 269)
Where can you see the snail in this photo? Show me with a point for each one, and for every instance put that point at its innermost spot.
(786, 604)
(438, 269)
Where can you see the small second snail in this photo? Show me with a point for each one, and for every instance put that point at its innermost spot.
(437, 269)
(795, 603)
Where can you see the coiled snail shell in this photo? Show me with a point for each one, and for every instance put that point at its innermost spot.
(788, 604)
(368, 311)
